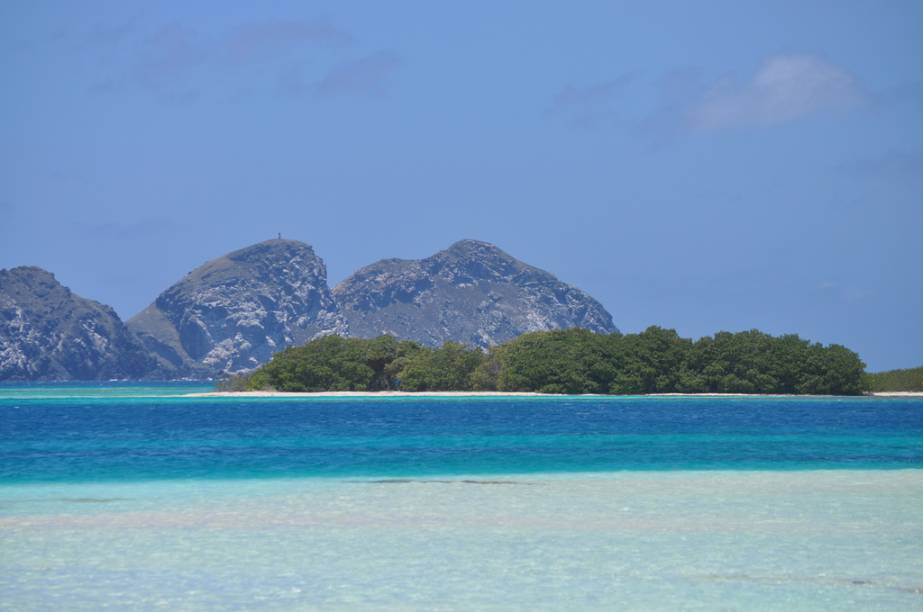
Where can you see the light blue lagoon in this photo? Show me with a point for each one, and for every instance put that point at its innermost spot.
(121, 496)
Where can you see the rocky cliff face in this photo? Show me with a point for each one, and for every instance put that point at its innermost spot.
(231, 314)
(48, 333)
(472, 292)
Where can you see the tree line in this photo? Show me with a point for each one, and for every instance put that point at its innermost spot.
(572, 361)
(910, 379)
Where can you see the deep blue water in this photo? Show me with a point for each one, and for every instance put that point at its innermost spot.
(57, 435)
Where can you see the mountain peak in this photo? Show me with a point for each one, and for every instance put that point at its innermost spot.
(468, 245)
(232, 313)
(31, 283)
(49, 333)
(269, 248)
(26, 273)
(25, 270)
(471, 292)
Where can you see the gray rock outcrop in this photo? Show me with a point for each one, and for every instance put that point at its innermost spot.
(471, 292)
(232, 313)
(49, 333)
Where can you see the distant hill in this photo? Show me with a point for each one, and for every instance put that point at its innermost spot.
(49, 333)
(232, 313)
(910, 379)
(472, 292)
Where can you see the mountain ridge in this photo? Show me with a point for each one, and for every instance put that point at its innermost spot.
(232, 313)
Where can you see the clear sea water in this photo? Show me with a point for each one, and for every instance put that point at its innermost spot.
(130, 496)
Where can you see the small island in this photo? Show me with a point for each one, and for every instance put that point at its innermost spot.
(572, 361)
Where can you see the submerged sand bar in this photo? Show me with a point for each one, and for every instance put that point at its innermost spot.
(779, 540)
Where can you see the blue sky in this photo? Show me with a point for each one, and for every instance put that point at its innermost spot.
(703, 166)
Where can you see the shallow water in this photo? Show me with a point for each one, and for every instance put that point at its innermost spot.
(147, 501)
(743, 540)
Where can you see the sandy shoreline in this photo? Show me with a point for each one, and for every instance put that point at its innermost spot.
(322, 394)
(365, 394)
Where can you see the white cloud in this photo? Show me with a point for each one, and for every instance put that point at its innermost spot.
(785, 88)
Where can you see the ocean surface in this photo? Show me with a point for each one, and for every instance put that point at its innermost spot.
(135, 496)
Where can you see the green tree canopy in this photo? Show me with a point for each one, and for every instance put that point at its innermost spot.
(571, 361)
(448, 368)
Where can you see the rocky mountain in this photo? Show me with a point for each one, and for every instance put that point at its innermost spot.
(471, 292)
(49, 333)
(232, 313)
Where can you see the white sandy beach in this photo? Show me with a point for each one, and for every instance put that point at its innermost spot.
(898, 394)
(321, 394)
(366, 394)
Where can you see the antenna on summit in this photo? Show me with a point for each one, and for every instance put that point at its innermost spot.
(280, 235)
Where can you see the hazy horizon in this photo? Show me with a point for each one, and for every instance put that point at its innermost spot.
(724, 166)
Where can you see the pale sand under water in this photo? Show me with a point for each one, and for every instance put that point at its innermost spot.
(662, 540)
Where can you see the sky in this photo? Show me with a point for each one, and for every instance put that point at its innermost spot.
(703, 166)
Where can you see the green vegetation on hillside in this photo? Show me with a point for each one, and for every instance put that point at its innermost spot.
(910, 379)
(570, 361)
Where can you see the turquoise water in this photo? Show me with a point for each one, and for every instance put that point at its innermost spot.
(79, 433)
(130, 497)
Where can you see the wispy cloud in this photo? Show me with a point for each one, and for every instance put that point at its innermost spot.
(259, 41)
(175, 63)
(589, 105)
(163, 64)
(368, 75)
(784, 88)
